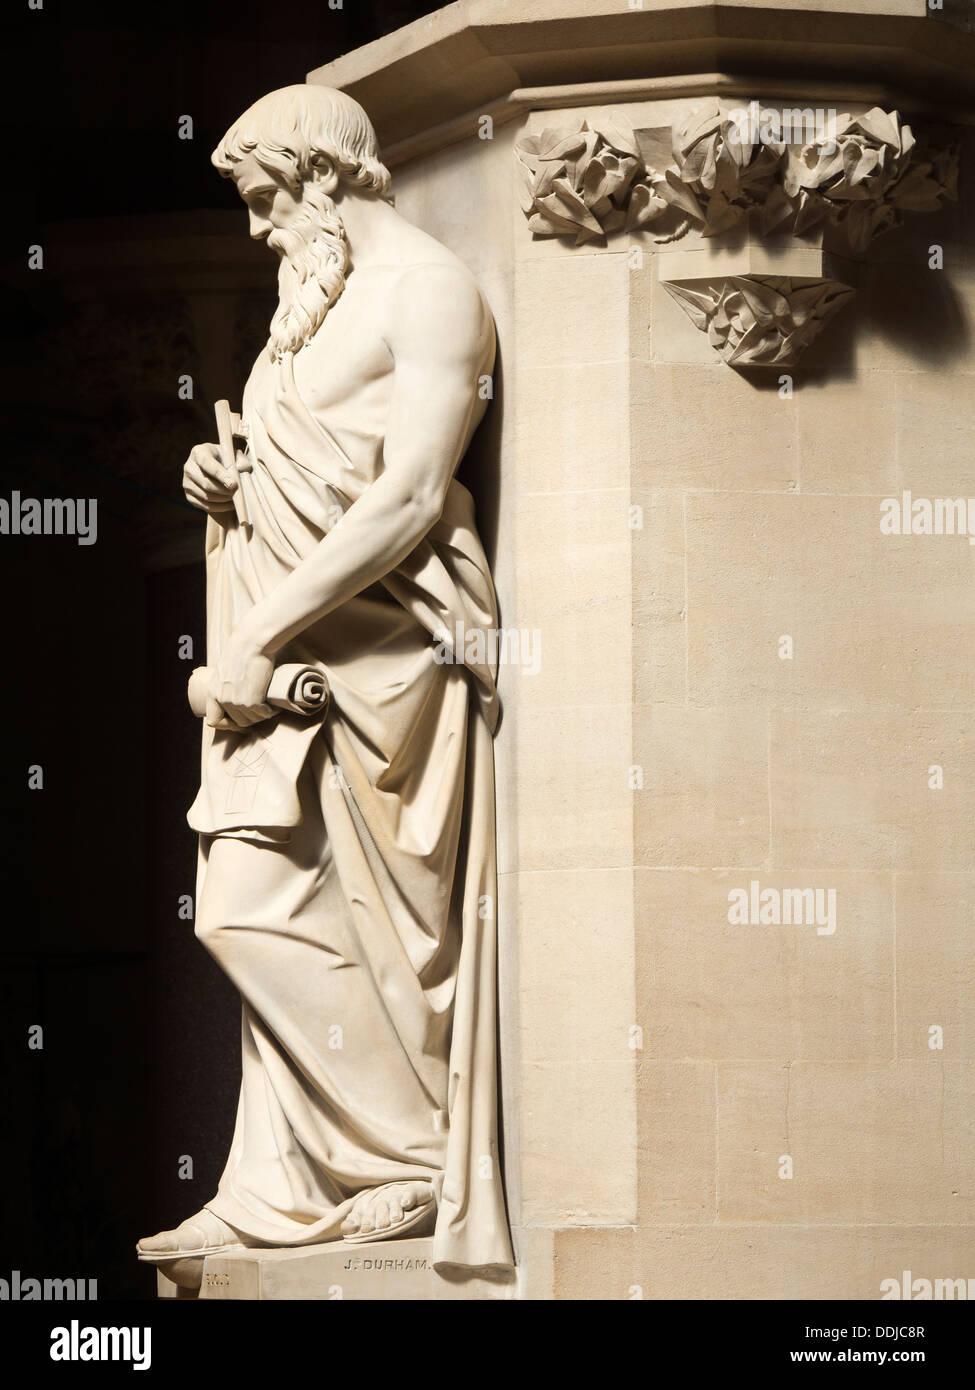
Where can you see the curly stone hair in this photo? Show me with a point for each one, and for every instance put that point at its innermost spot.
(291, 131)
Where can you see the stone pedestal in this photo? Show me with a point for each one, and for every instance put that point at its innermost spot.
(387, 1270)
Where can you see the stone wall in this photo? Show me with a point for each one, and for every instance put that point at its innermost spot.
(743, 681)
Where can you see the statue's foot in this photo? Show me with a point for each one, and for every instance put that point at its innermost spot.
(383, 1213)
(202, 1234)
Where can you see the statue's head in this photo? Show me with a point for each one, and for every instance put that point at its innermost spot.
(295, 155)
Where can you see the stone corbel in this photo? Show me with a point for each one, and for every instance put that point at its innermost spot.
(758, 234)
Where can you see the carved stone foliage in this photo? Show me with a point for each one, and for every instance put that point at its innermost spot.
(858, 176)
(586, 182)
(714, 168)
(761, 320)
(723, 174)
(876, 172)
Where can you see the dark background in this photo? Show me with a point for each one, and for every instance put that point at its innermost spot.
(147, 275)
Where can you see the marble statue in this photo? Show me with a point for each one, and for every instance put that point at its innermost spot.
(347, 877)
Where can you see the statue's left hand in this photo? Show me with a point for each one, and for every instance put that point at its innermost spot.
(239, 685)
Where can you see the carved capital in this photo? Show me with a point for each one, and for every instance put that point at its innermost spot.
(807, 184)
(585, 182)
(760, 320)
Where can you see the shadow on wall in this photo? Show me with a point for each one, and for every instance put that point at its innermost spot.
(480, 468)
(903, 308)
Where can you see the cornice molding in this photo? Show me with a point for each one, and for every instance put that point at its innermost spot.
(426, 85)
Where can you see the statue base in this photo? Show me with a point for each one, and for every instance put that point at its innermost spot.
(387, 1270)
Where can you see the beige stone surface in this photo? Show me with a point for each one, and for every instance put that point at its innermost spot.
(585, 635)
(569, 919)
(451, 191)
(718, 452)
(887, 1143)
(935, 957)
(851, 790)
(704, 794)
(857, 605)
(535, 1261)
(578, 1131)
(555, 320)
(755, 1261)
(570, 1145)
(572, 428)
(847, 434)
(676, 1107)
(673, 337)
(933, 416)
(708, 989)
(563, 788)
(659, 640)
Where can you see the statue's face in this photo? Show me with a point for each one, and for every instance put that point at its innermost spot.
(270, 202)
(306, 232)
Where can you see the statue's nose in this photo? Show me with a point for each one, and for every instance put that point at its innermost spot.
(259, 226)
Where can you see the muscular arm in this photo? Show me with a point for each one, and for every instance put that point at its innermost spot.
(438, 333)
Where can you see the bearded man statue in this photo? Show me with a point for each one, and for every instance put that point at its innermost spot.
(347, 876)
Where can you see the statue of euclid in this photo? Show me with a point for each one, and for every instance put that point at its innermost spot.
(347, 878)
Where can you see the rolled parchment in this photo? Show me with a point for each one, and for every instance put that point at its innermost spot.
(297, 688)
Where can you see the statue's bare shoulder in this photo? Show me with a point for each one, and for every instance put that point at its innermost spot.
(418, 321)
(436, 311)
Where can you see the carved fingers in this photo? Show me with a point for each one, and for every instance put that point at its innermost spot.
(206, 483)
(231, 716)
(239, 686)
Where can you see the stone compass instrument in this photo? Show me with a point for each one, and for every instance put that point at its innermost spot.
(229, 425)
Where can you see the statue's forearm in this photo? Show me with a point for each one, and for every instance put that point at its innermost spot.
(376, 533)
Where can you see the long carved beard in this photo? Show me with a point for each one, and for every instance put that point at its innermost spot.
(314, 257)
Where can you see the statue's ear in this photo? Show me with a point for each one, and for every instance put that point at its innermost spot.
(325, 174)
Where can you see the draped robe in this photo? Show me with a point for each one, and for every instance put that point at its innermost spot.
(347, 874)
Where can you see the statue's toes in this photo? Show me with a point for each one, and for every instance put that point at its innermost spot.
(163, 1243)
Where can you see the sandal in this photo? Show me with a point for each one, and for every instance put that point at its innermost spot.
(410, 1219)
(210, 1238)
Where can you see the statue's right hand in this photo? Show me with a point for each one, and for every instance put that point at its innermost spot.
(206, 483)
